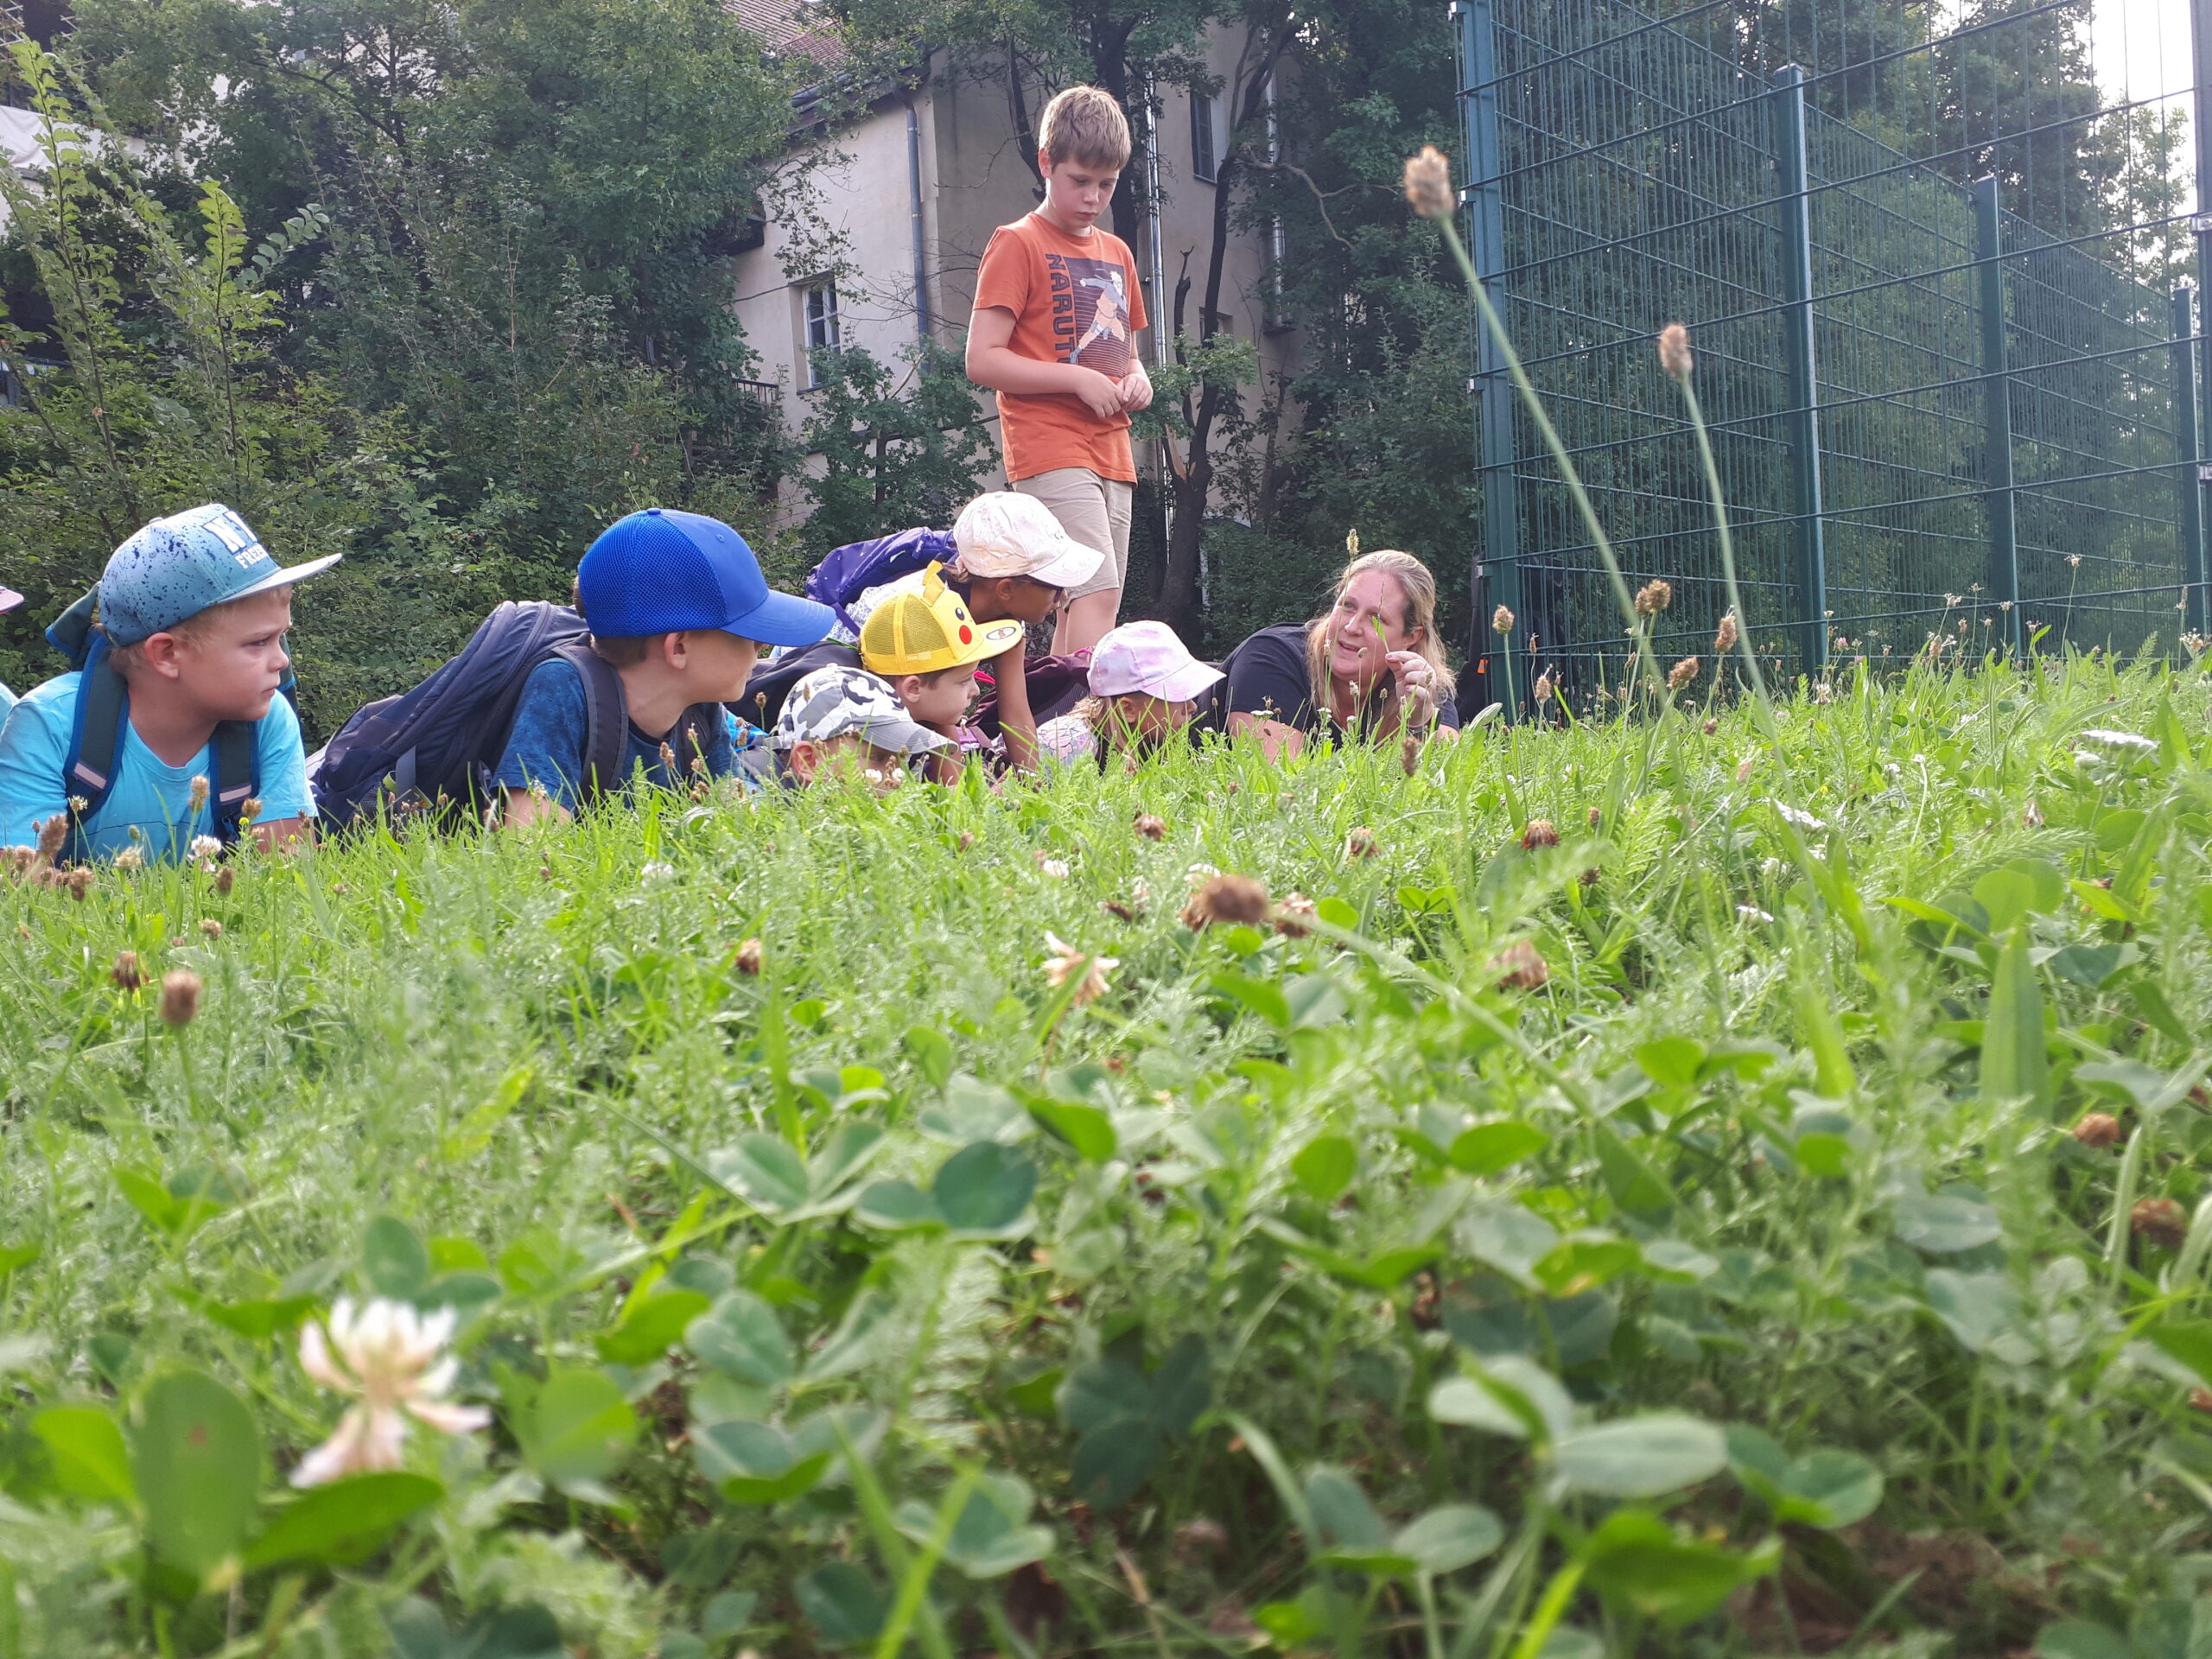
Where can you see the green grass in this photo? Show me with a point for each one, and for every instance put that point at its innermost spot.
(1750, 1249)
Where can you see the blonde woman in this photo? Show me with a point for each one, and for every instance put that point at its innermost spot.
(1352, 668)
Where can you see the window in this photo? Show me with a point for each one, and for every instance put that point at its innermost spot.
(819, 328)
(1205, 137)
(822, 318)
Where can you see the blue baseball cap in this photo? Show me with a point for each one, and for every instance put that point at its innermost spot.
(662, 571)
(178, 566)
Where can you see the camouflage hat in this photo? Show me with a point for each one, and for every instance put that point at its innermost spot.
(840, 701)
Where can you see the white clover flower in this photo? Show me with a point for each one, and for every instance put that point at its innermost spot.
(1752, 913)
(2126, 742)
(207, 846)
(1200, 875)
(388, 1355)
(655, 871)
(1055, 867)
(129, 859)
(1792, 815)
(1065, 962)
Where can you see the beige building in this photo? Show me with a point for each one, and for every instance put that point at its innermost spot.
(872, 239)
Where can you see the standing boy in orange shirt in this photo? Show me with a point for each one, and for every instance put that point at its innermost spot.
(1058, 312)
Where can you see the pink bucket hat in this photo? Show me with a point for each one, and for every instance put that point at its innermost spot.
(1147, 657)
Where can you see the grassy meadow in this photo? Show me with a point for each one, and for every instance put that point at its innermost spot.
(1629, 1188)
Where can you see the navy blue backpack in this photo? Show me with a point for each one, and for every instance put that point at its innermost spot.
(436, 747)
(96, 737)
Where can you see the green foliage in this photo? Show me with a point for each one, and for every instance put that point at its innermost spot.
(897, 448)
(1330, 1277)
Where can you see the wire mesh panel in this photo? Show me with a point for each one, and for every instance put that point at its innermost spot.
(1931, 419)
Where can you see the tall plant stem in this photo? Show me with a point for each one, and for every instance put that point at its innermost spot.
(1564, 461)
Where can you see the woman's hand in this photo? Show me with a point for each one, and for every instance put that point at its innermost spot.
(1410, 669)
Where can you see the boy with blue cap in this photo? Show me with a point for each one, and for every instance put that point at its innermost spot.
(183, 676)
(679, 610)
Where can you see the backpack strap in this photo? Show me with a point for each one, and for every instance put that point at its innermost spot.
(237, 779)
(607, 717)
(95, 739)
(693, 736)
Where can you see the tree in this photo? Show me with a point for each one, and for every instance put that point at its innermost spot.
(531, 203)
(889, 461)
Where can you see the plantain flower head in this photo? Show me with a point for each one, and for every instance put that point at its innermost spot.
(1428, 183)
(389, 1355)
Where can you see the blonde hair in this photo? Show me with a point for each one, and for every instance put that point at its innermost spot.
(1417, 585)
(1085, 125)
(192, 630)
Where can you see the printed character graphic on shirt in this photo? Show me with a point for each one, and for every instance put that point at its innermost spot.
(1091, 313)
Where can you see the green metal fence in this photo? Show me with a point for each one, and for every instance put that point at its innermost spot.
(1935, 417)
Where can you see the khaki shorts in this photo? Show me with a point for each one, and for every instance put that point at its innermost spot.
(1095, 511)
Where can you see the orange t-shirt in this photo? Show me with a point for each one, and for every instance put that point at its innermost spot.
(1074, 301)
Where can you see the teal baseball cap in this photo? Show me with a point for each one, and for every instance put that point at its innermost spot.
(178, 566)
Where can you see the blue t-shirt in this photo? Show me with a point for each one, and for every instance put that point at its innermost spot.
(552, 733)
(149, 795)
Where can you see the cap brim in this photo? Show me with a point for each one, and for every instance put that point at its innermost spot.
(1073, 565)
(992, 640)
(784, 620)
(286, 576)
(1186, 683)
(905, 736)
(9, 599)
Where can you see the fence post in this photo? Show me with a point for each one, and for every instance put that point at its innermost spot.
(1496, 564)
(1997, 402)
(2200, 32)
(2192, 456)
(1793, 163)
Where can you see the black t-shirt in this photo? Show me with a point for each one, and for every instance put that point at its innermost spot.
(1267, 676)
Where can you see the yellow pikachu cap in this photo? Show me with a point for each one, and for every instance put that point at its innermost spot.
(919, 632)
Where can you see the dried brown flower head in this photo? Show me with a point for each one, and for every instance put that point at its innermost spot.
(1062, 961)
(1540, 832)
(1428, 183)
(1501, 621)
(1682, 673)
(179, 997)
(199, 793)
(211, 927)
(249, 809)
(1361, 843)
(80, 881)
(1120, 910)
(2098, 1129)
(1541, 693)
(1653, 597)
(1293, 914)
(1597, 817)
(747, 960)
(226, 879)
(667, 758)
(2162, 1221)
(963, 842)
(1227, 897)
(1590, 877)
(1674, 350)
(127, 974)
(1151, 826)
(1520, 967)
(1710, 728)
(51, 835)
(1723, 637)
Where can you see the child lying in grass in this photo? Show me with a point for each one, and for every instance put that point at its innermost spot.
(840, 721)
(1144, 689)
(926, 645)
(173, 726)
